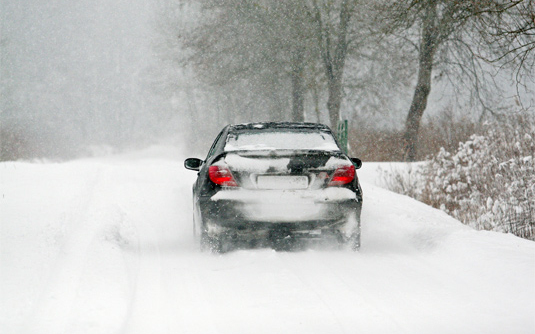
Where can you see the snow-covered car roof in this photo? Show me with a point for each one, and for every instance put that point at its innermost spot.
(280, 136)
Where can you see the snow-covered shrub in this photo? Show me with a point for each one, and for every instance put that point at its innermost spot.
(407, 181)
(488, 183)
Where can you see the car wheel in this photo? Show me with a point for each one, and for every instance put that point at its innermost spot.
(194, 228)
(281, 240)
(196, 216)
(213, 243)
(352, 233)
(354, 241)
(283, 244)
(208, 243)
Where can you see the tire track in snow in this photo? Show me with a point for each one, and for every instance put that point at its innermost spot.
(54, 311)
(189, 301)
(144, 315)
(147, 312)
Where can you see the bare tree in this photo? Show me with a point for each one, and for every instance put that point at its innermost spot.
(509, 30)
(333, 44)
(450, 35)
(258, 42)
(304, 45)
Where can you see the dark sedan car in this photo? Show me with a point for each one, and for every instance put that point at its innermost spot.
(275, 182)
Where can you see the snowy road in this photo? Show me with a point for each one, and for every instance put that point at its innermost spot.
(105, 246)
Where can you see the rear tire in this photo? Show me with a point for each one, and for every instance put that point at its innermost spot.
(281, 240)
(214, 244)
(354, 241)
(283, 244)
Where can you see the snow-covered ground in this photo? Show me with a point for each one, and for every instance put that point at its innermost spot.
(105, 245)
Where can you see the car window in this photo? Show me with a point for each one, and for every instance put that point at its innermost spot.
(282, 139)
(214, 145)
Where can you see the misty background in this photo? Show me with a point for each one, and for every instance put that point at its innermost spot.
(79, 75)
(89, 77)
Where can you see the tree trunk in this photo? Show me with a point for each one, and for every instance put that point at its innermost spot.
(316, 98)
(337, 71)
(334, 58)
(298, 87)
(423, 85)
(334, 102)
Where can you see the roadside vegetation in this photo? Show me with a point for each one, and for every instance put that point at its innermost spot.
(386, 144)
(487, 182)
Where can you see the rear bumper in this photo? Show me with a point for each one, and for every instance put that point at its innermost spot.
(242, 210)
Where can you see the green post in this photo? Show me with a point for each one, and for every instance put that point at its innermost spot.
(342, 134)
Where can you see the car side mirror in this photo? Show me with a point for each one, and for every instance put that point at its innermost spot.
(193, 163)
(357, 162)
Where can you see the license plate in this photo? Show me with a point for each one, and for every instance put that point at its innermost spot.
(282, 182)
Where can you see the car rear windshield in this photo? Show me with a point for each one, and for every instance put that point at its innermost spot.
(281, 139)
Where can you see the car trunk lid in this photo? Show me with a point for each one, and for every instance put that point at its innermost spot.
(284, 170)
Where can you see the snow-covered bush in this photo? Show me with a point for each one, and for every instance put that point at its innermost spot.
(488, 183)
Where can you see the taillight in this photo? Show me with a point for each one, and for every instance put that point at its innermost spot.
(343, 175)
(221, 175)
